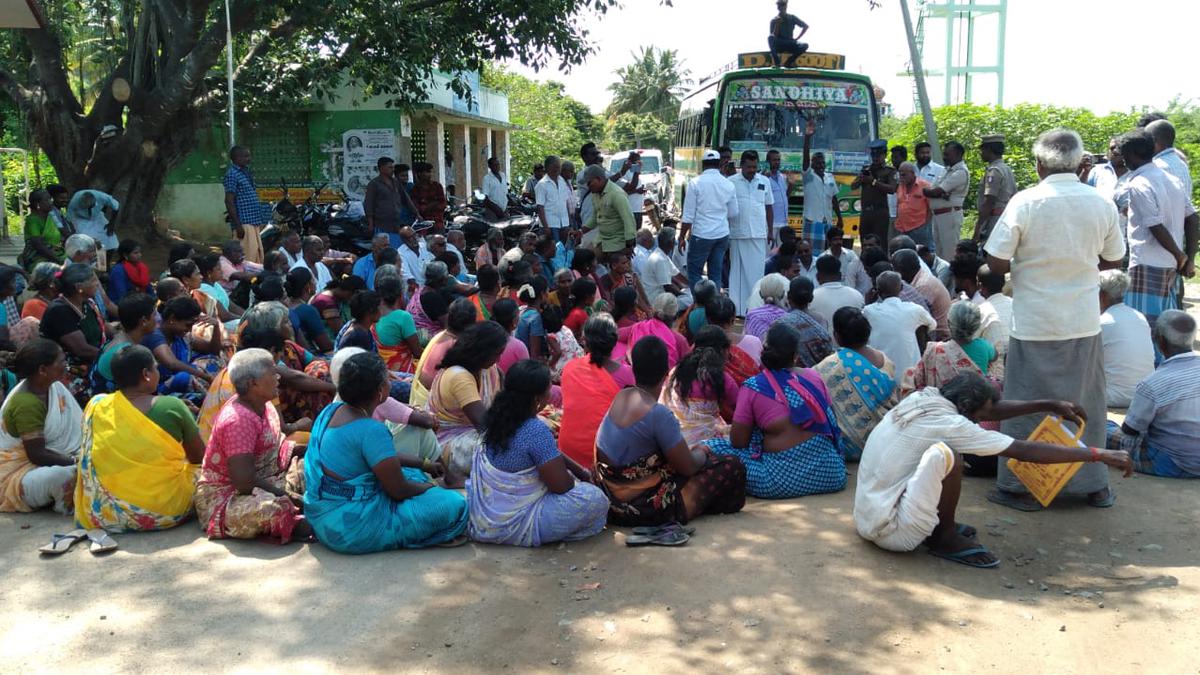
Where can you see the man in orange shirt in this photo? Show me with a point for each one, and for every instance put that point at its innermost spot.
(912, 207)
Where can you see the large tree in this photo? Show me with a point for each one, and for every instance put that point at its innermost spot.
(653, 84)
(157, 68)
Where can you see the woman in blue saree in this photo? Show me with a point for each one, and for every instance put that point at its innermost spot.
(784, 429)
(861, 381)
(360, 495)
(523, 491)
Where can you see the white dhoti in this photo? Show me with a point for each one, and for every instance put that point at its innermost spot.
(746, 260)
(947, 231)
(916, 515)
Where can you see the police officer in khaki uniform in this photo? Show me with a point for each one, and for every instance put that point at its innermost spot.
(946, 200)
(998, 186)
(877, 180)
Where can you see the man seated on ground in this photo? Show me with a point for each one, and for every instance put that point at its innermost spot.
(940, 268)
(831, 294)
(910, 474)
(234, 266)
(899, 329)
(1162, 428)
(787, 248)
(661, 275)
(1128, 346)
(854, 274)
(908, 265)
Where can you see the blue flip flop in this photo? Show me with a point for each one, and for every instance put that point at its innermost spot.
(961, 557)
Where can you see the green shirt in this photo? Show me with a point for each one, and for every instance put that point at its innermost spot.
(24, 413)
(396, 327)
(172, 416)
(43, 227)
(981, 352)
(613, 217)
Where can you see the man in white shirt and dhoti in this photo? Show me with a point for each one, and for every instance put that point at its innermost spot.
(749, 230)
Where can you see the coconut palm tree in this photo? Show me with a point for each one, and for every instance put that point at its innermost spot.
(653, 84)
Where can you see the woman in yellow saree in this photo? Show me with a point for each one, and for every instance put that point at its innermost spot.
(137, 467)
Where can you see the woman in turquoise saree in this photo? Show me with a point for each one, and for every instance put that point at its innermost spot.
(360, 495)
(861, 381)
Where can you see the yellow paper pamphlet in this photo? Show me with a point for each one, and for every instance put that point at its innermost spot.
(1045, 481)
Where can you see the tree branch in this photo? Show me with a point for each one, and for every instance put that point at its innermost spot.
(50, 69)
(282, 30)
(15, 90)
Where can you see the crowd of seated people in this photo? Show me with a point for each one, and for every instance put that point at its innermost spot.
(309, 399)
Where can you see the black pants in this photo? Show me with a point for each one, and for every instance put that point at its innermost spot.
(785, 45)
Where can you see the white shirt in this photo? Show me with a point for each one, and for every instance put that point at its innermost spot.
(894, 449)
(291, 259)
(1169, 160)
(1054, 232)
(636, 199)
(658, 271)
(931, 172)
(992, 328)
(412, 263)
(829, 298)
(894, 325)
(1155, 198)
(853, 273)
(93, 222)
(496, 189)
(754, 196)
(819, 192)
(551, 194)
(710, 204)
(1128, 353)
(810, 272)
(324, 276)
(640, 253)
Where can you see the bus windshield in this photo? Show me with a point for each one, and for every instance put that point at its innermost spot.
(765, 113)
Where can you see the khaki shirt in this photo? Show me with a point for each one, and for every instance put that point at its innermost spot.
(998, 182)
(955, 182)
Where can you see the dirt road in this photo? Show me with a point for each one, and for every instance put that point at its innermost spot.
(782, 587)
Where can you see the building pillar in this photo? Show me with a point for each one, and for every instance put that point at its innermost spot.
(468, 164)
(500, 150)
(458, 143)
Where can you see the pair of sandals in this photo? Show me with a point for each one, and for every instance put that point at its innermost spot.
(667, 534)
(59, 544)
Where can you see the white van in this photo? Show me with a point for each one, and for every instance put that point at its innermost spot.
(654, 176)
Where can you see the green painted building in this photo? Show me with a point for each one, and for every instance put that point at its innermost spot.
(322, 144)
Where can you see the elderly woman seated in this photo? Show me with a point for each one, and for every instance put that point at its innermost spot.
(700, 391)
(773, 291)
(137, 467)
(665, 308)
(467, 380)
(784, 429)
(860, 379)
(74, 321)
(522, 490)
(43, 283)
(40, 433)
(83, 250)
(305, 387)
(360, 495)
(241, 493)
(645, 466)
(943, 361)
(911, 471)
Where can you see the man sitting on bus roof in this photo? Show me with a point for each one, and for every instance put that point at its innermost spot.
(783, 36)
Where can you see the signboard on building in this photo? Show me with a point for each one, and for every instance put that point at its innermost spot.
(361, 150)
